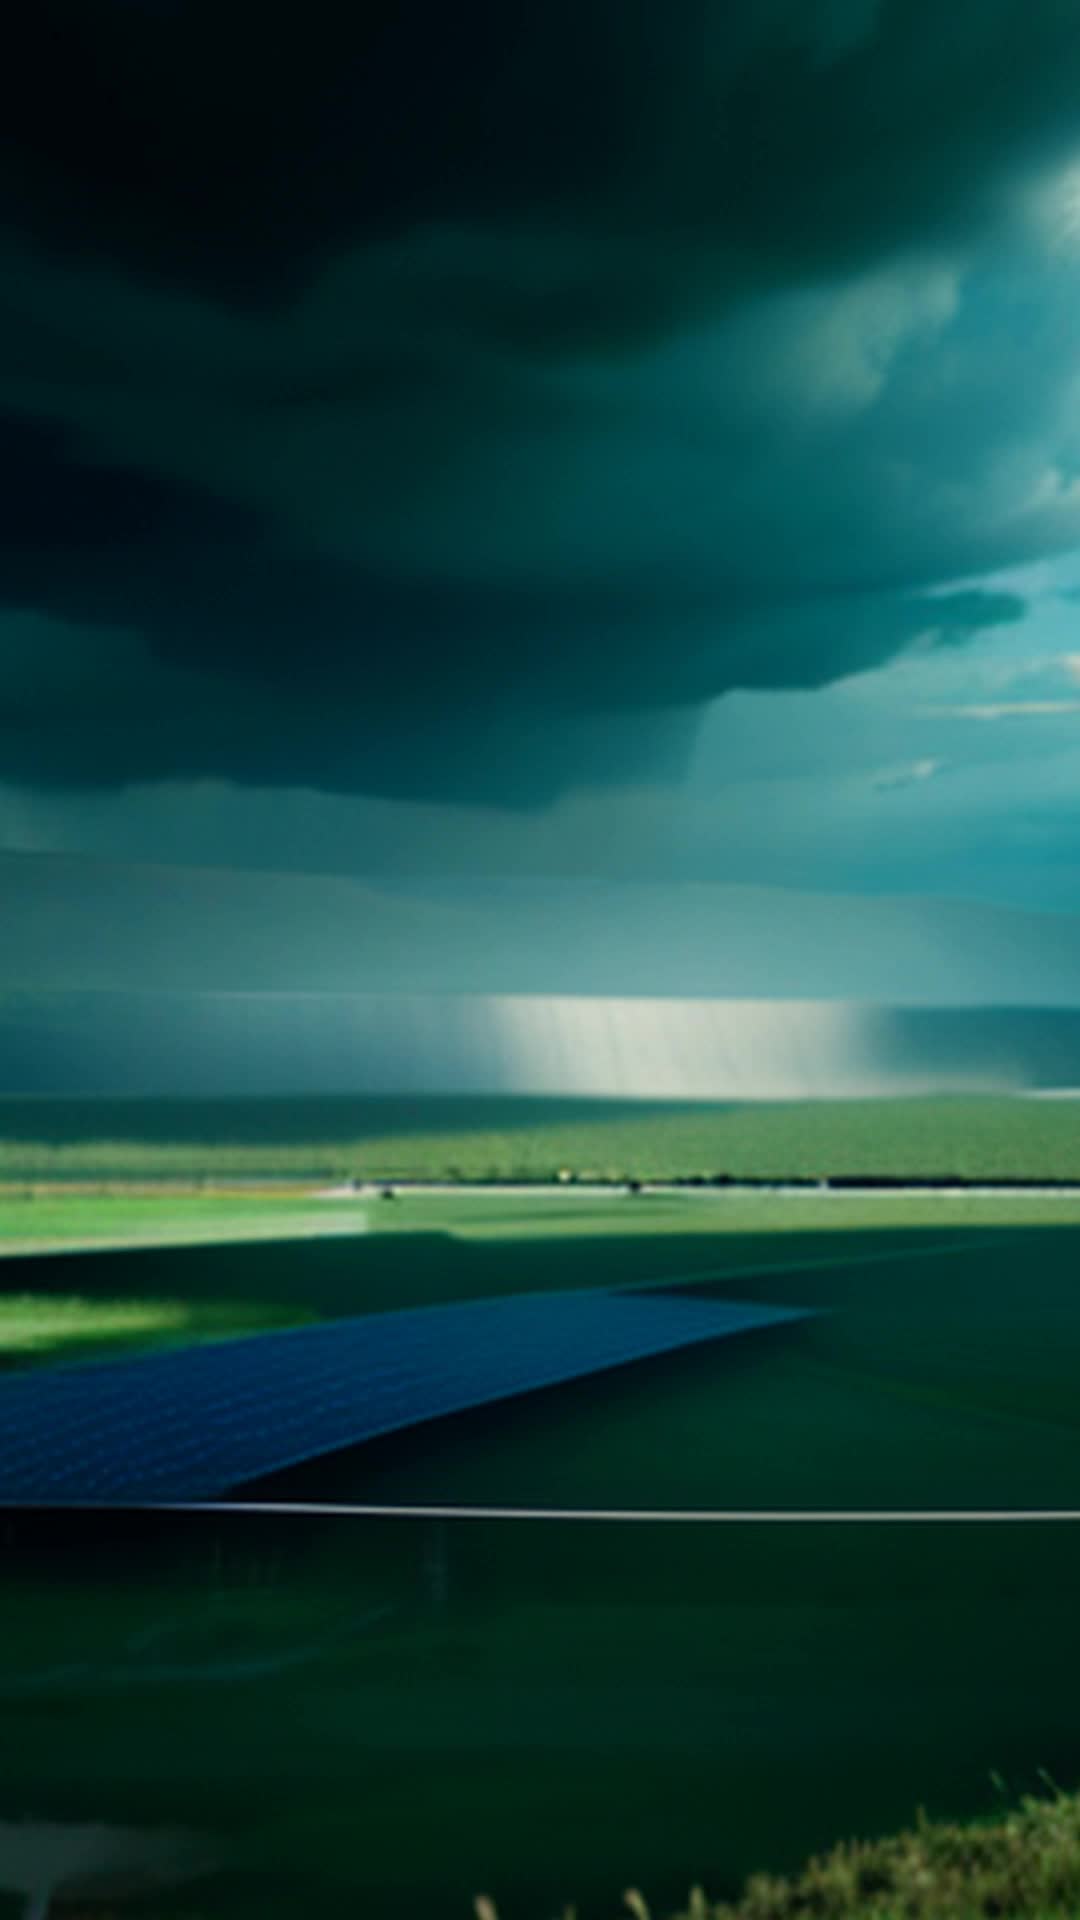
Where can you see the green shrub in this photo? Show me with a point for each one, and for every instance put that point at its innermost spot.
(1024, 1866)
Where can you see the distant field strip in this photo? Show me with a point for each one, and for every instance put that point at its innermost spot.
(54, 1220)
(195, 1424)
(692, 1517)
(47, 1222)
(979, 1138)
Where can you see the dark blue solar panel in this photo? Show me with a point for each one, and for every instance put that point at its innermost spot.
(193, 1424)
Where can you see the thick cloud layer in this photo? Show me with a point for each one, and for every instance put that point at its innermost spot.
(450, 402)
(621, 152)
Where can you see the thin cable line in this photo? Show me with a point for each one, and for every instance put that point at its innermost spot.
(620, 1516)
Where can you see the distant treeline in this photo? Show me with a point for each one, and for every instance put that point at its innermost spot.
(741, 1183)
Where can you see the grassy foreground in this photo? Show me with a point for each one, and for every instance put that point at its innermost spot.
(987, 1138)
(1025, 1865)
(569, 1712)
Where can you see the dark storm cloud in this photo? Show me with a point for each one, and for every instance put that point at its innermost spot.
(276, 666)
(234, 148)
(285, 668)
(445, 401)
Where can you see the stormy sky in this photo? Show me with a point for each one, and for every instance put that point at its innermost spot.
(596, 442)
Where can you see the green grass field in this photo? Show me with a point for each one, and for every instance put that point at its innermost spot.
(1026, 1862)
(578, 1711)
(271, 1260)
(392, 1716)
(39, 1323)
(941, 1372)
(48, 1218)
(327, 1139)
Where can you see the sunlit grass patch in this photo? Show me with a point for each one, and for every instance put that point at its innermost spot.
(41, 1219)
(28, 1323)
(50, 1327)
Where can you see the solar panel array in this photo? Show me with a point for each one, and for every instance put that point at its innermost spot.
(196, 1423)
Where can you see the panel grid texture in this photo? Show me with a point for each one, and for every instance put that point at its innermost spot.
(196, 1423)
